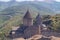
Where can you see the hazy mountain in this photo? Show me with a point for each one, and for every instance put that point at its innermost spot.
(53, 7)
(4, 5)
(44, 6)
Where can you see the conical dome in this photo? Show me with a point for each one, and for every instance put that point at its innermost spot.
(27, 19)
(38, 19)
(27, 15)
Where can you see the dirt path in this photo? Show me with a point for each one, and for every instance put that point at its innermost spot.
(19, 39)
(32, 38)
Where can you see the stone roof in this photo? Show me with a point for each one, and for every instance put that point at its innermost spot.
(38, 19)
(38, 16)
(27, 15)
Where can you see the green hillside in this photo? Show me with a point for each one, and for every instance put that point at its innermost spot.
(22, 7)
(11, 14)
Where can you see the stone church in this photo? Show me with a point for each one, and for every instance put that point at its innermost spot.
(32, 29)
(29, 27)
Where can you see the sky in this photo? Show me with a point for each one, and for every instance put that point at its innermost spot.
(31, 0)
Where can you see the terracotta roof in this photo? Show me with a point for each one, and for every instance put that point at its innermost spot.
(27, 15)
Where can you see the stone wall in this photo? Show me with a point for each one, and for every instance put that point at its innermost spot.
(31, 31)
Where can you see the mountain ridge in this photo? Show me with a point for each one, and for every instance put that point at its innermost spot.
(40, 6)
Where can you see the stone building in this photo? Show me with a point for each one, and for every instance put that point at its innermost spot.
(32, 29)
(29, 28)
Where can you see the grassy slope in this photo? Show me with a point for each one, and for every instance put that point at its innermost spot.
(18, 11)
(33, 7)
